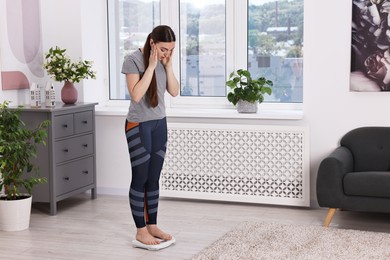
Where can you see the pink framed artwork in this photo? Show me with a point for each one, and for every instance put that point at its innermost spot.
(21, 55)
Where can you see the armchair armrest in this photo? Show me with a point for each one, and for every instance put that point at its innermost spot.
(330, 177)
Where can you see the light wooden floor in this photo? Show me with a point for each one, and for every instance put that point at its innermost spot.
(103, 228)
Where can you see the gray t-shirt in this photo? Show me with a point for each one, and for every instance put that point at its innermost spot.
(142, 111)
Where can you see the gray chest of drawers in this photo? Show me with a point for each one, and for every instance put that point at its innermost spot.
(68, 160)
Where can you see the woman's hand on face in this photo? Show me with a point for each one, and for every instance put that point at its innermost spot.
(153, 57)
(167, 60)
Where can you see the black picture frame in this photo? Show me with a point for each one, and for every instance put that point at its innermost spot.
(370, 43)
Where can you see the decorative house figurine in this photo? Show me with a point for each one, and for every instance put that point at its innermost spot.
(35, 95)
(50, 95)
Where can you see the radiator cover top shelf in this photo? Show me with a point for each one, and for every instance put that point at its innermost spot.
(250, 163)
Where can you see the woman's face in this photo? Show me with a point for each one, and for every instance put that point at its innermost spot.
(164, 49)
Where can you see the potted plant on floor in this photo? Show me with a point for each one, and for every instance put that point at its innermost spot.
(18, 145)
(247, 92)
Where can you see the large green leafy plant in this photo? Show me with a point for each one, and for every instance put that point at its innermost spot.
(18, 144)
(247, 89)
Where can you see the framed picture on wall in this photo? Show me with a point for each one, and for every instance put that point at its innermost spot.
(21, 55)
(370, 43)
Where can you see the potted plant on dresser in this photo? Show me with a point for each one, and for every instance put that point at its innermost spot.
(247, 92)
(18, 146)
(59, 65)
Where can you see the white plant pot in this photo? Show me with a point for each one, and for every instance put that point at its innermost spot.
(246, 107)
(15, 214)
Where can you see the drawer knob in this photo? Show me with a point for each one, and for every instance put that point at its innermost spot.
(65, 126)
(66, 150)
(84, 122)
(85, 172)
(85, 145)
(66, 178)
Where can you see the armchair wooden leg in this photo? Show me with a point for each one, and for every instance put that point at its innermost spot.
(329, 217)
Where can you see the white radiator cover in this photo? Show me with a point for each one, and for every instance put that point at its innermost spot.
(242, 163)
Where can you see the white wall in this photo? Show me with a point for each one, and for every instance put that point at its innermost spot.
(330, 109)
(60, 23)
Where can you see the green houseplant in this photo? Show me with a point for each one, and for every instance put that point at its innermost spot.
(59, 65)
(246, 91)
(61, 68)
(18, 145)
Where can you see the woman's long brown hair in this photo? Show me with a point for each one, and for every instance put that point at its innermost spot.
(161, 33)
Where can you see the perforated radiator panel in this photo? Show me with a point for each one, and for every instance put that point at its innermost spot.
(260, 164)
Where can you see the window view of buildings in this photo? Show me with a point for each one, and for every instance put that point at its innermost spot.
(274, 44)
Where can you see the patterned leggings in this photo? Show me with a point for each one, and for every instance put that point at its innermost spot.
(147, 142)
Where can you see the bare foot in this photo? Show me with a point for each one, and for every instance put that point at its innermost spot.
(145, 237)
(158, 233)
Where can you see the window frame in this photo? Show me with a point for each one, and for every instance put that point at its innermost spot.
(236, 57)
(198, 101)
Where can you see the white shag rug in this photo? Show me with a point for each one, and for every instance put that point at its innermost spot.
(262, 240)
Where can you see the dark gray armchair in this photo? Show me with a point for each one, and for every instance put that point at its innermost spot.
(356, 176)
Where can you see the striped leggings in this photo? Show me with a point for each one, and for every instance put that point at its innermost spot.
(147, 142)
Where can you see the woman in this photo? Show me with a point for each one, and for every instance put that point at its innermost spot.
(148, 75)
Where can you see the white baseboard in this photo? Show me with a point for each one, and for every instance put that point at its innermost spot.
(113, 191)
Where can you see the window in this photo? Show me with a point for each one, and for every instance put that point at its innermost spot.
(275, 46)
(202, 48)
(212, 40)
(130, 22)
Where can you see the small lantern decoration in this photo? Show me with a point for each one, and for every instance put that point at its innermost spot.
(50, 96)
(35, 95)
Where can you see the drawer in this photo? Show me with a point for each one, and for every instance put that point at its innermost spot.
(74, 175)
(83, 122)
(63, 125)
(73, 148)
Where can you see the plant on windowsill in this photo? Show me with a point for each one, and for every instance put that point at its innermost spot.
(247, 92)
(61, 68)
(18, 146)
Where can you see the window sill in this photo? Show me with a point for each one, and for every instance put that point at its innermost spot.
(276, 114)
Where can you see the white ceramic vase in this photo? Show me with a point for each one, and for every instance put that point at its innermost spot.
(15, 214)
